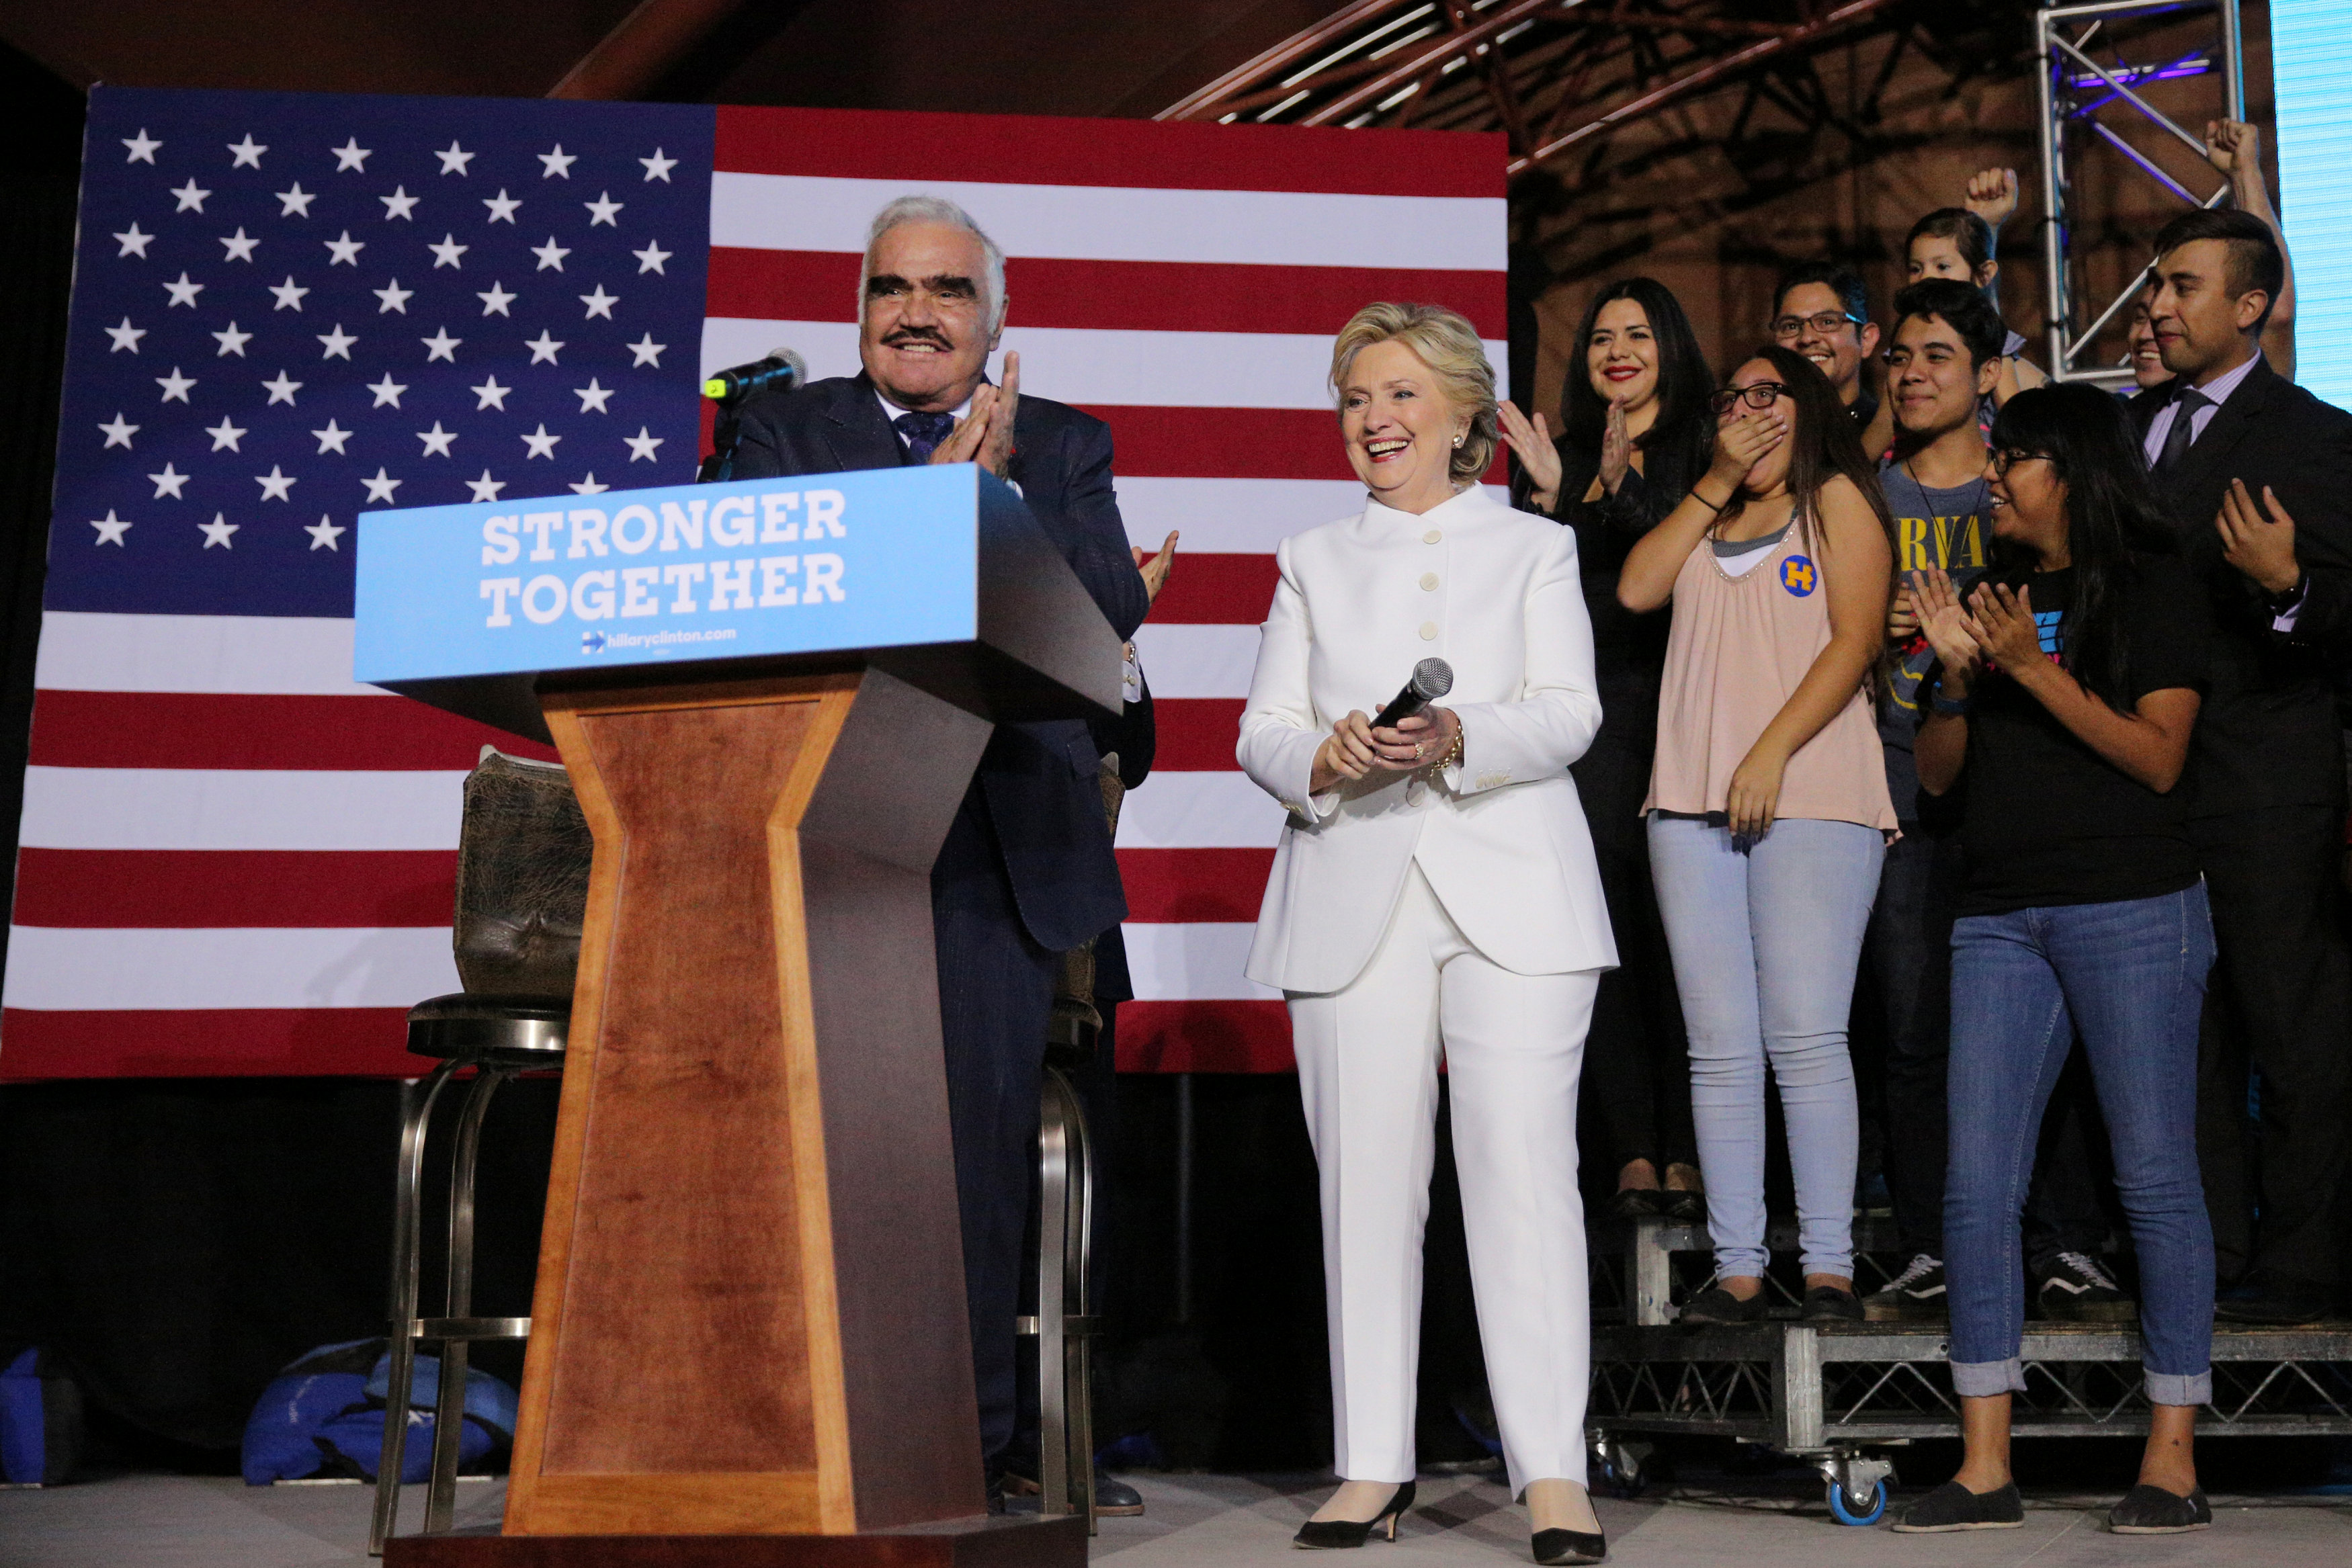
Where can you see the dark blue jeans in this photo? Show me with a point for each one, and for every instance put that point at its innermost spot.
(2130, 978)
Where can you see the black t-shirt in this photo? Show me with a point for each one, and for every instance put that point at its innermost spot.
(2049, 821)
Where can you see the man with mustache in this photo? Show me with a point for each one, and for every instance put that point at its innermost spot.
(1026, 873)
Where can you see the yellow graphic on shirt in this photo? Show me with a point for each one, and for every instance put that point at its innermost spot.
(1947, 542)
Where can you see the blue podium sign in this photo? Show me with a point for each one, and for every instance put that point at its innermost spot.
(881, 558)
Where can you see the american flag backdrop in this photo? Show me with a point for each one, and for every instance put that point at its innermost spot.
(288, 309)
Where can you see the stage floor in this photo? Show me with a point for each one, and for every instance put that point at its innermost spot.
(1201, 1522)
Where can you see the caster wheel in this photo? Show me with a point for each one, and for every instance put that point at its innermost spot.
(1622, 1473)
(1842, 1509)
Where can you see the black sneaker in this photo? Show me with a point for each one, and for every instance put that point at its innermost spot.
(1715, 1305)
(2074, 1289)
(2152, 1510)
(1916, 1295)
(1952, 1507)
(1828, 1304)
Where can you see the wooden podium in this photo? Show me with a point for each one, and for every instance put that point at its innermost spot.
(748, 1340)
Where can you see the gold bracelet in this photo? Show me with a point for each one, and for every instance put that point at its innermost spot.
(1453, 753)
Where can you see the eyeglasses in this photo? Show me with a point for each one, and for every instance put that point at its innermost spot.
(2007, 457)
(1757, 395)
(1823, 322)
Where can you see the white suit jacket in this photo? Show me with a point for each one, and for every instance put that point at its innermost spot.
(1501, 836)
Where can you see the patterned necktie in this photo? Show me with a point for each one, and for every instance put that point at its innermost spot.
(924, 432)
(2184, 428)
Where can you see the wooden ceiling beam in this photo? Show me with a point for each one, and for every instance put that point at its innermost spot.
(642, 48)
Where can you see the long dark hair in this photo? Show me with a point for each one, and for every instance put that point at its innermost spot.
(1684, 380)
(1823, 443)
(2112, 515)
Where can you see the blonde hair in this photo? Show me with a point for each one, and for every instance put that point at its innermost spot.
(1449, 345)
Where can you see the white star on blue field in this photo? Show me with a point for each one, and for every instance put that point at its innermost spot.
(292, 307)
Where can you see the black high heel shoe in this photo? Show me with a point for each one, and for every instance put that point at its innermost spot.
(1329, 1534)
(1553, 1547)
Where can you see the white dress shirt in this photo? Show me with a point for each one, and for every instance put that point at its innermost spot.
(1501, 835)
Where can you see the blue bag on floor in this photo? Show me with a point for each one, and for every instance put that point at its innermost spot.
(324, 1416)
(40, 1420)
(281, 1434)
(490, 1401)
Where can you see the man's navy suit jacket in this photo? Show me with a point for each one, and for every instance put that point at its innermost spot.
(1036, 786)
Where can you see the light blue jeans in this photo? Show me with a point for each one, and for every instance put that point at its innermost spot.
(1765, 938)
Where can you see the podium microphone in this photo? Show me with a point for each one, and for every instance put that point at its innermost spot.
(730, 388)
(1432, 679)
(782, 368)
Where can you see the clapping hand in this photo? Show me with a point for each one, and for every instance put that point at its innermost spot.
(1902, 614)
(1945, 623)
(2000, 622)
(1532, 444)
(1616, 448)
(963, 445)
(996, 449)
(1155, 568)
(1993, 196)
(2264, 550)
(985, 435)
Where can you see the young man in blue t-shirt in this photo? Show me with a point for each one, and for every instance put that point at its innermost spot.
(1945, 360)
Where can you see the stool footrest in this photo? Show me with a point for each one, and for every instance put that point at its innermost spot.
(1073, 1325)
(447, 1329)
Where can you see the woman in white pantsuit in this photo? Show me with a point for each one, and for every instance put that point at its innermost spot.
(1435, 890)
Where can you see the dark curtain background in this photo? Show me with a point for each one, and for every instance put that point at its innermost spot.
(36, 236)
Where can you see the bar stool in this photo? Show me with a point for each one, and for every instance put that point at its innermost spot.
(1065, 1323)
(523, 858)
(496, 1037)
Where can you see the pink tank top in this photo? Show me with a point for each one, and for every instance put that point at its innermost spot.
(1738, 649)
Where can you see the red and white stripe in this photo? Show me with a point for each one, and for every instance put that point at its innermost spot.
(235, 861)
(1183, 283)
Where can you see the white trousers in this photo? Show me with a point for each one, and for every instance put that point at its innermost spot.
(1367, 1056)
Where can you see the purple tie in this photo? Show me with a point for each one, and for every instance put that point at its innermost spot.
(924, 432)
(2178, 439)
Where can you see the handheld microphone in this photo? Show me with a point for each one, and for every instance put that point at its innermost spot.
(1432, 679)
(782, 368)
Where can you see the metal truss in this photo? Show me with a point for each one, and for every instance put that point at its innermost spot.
(1805, 1389)
(2093, 60)
(1552, 74)
(1833, 1391)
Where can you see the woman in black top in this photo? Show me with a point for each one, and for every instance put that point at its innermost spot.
(1638, 436)
(2068, 687)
